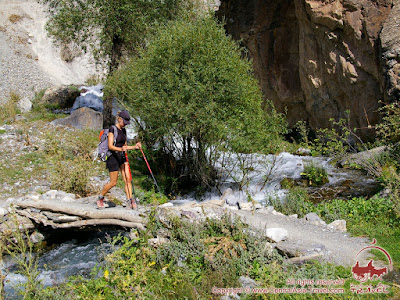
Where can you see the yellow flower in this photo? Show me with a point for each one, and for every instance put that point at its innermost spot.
(106, 274)
(152, 263)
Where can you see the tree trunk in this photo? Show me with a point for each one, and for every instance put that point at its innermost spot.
(81, 210)
(116, 53)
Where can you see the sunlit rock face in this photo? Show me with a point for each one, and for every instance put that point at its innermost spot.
(321, 58)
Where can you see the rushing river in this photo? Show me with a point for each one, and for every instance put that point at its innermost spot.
(74, 256)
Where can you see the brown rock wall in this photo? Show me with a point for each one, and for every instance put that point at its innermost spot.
(319, 58)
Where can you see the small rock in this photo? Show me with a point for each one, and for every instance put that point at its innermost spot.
(24, 105)
(294, 216)
(277, 213)
(313, 218)
(230, 198)
(266, 210)
(52, 194)
(228, 192)
(3, 211)
(189, 214)
(316, 248)
(133, 234)
(246, 206)
(258, 206)
(339, 225)
(68, 199)
(247, 282)
(10, 201)
(156, 242)
(168, 204)
(34, 197)
(67, 196)
(163, 233)
(230, 207)
(277, 234)
(36, 237)
(303, 152)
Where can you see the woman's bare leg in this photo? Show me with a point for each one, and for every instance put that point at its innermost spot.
(108, 186)
(128, 183)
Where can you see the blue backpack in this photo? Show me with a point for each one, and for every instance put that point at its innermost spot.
(102, 149)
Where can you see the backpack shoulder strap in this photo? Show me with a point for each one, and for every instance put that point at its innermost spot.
(115, 133)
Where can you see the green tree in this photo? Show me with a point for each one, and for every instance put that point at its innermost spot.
(110, 29)
(195, 97)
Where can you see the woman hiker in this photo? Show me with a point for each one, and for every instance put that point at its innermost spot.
(116, 162)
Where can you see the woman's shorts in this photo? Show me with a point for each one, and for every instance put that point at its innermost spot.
(115, 161)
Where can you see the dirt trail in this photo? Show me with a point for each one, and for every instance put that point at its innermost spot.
(307, 239)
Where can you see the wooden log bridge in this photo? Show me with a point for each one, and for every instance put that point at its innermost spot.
(77, 214)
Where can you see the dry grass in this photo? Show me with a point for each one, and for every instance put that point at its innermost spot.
(21, 40)
(8, 110)
(14, 18)
(3, 29)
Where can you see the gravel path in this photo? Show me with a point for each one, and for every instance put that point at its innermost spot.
(308, 239)
(303, 238)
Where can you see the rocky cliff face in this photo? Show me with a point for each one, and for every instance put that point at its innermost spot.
(320, 58)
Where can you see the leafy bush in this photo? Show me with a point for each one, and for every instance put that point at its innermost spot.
(194, 97)
(71, 161)
(373, 210)
(295, 202)
(71, 176)
(338, 141)
(389, 131)
(316, 175)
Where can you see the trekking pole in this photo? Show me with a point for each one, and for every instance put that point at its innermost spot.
(148, 166)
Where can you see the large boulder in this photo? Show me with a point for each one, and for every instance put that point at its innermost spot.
(82, 118)
(361, 157)
(61, 96)
(319, 58)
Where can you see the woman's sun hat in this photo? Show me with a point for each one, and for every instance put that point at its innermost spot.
(125, 116)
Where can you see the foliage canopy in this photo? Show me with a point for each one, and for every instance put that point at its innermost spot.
(194, 96)
(109, 28)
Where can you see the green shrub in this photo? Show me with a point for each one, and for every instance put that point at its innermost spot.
(373, 210)
(195, 97)
(389, 131)
(71, 161)
(338, 141)
(316, 175)
(295, 202)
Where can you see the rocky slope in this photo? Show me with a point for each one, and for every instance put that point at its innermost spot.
(29, 60)
(320, 58)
